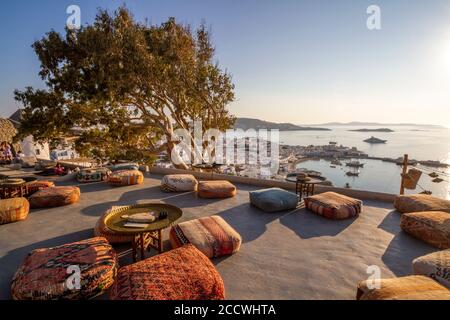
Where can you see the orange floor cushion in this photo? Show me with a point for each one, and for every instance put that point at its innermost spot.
(216, 189)
(49, 274)
(181, 274)
(12, 210)
(126, 178)
(404, 288)
(113, 237)
(54, 197)
(432, 227)
(420, 202)
(213, 236)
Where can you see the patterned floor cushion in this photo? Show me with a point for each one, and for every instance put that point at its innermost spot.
(35, 186)
(420, 202)
(211, 235)
(48, 274)
(404, 288)
(179, 183)
(93, 175)
(333, 205)
(432, 227)
(435, 265)
(274, 199)
(12, 210)
(101, 230)
(126, 178)
(54, 197)
(216, 189)
(181, 274)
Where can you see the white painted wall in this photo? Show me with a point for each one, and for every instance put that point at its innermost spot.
(33, 149)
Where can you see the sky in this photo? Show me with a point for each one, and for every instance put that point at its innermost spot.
(304, 62)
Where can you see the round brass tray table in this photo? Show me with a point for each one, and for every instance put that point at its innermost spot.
(150, 236)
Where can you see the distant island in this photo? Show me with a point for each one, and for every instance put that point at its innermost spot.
(373, 130)
(249, 123)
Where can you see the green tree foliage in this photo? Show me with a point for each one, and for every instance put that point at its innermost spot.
(127, 85)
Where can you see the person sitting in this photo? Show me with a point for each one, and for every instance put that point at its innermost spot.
(59, 170)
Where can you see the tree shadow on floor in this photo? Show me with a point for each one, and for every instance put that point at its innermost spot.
(309, 225)
(403, 248)
(249, 221)
(150, 194)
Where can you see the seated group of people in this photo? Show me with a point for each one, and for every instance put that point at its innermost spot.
(6, 152)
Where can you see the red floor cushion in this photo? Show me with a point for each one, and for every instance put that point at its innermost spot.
(404, 288)
(211, 235)
(126, 178)
(45, 272)
(54, 197)
(419, 203)
(179, 183)
(14, 209)
(216, 189)
(432, 227)
(35, 186)
(333, 205)
(435, 265)
(181, 274)
(113, 237)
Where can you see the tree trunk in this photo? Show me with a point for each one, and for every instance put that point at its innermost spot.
(175, 158)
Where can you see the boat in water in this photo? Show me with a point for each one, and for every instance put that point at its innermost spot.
(374, 140)
(336, 162)
(353, 173)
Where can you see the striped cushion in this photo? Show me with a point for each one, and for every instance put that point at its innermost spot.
(211, 235)
(216, 189)
(432, 227)
(178, 183)
(54, 197)
(334, 206)
(126, 178)
(436, 266)
(101, 230)
(181, 274)
(35, 186)
(404, 288)
(12, 210)
(44, 274)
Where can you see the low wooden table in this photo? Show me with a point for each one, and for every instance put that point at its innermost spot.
(304, 187)
(144, 238)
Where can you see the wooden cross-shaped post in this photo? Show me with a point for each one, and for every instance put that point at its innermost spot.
(404, 171)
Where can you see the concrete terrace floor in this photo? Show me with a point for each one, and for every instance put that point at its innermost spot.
(289, 255)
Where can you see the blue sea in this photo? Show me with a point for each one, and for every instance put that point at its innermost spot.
(420, 143)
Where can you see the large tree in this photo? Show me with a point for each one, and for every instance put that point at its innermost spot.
(127, 85)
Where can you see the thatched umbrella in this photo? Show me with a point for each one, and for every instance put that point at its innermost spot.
(7, 132)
